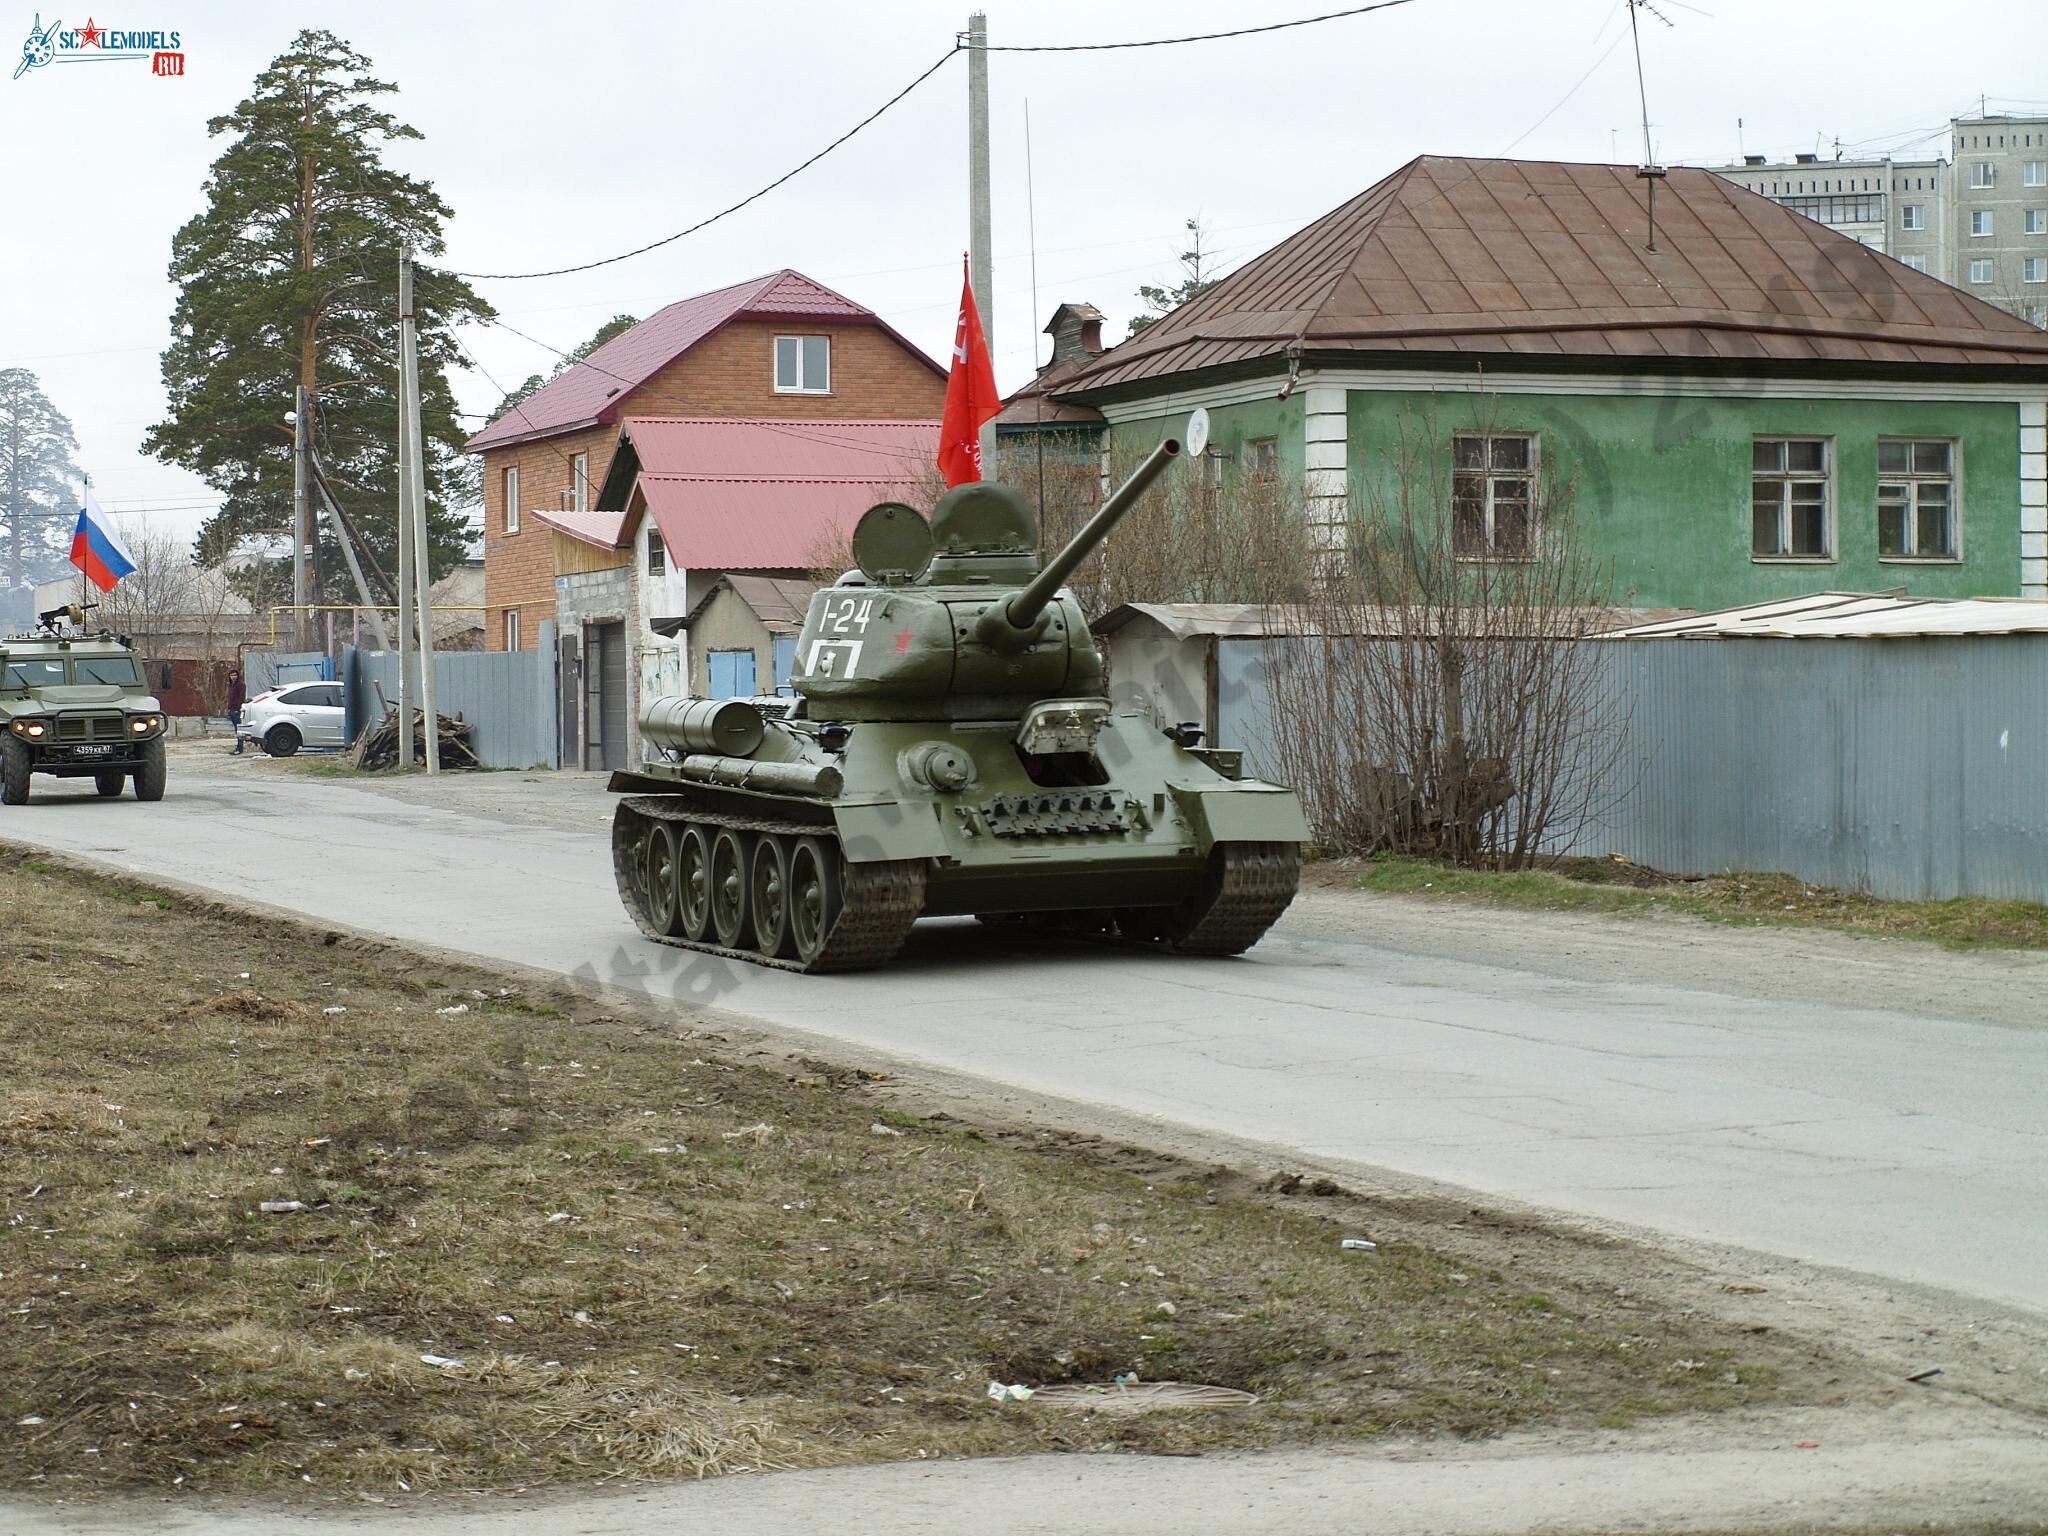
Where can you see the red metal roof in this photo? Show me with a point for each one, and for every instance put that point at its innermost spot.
(762, 494)
(1547, 259)
(607, 530)
(593, 390)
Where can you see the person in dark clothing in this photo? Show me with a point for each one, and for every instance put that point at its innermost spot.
(238, 695)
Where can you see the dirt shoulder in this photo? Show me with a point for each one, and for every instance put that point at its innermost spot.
(1669, 947)
(296, 1213)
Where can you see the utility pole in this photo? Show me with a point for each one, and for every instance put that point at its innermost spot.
(407, 693)
(980, 258)
(302, 523)
(416, 486)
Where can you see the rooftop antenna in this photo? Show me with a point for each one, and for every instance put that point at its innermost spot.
(1031, 235)
(1741, 149)
(1650, 170)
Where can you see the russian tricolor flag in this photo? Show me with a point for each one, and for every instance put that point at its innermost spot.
(96, 549)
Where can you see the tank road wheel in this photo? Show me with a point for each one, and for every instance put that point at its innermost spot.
(155, 770)
(768, 894)
(729, 888)
(693, 882)
(110, 783)
(15, 771)
(658, 876)
(813, 896)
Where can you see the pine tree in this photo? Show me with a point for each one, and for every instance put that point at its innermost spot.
(1194, 262)
(289, 277)
(38, 481)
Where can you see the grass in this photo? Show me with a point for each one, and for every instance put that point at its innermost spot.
(1610, 885)
(535, 1244)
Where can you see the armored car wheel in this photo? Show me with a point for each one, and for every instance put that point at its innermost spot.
(15, 770)
(768, 894)
(729, 888)
(155, 769)
(110, 783)
(693, 882)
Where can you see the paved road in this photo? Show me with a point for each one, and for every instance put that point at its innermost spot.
(1903, 1144)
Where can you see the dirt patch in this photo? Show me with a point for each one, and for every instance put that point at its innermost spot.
(1744, 900)
(296, 1212)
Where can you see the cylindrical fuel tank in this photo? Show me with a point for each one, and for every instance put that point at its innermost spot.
(729, 727)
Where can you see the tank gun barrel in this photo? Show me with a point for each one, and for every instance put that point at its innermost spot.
(1017, 613)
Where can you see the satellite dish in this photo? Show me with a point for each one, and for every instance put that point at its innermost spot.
(1198, 433)
(892, 543)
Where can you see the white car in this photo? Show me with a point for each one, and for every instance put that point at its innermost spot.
(294, 716)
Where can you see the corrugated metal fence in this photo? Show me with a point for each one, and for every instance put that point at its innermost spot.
(508, 696)
(1910, 768)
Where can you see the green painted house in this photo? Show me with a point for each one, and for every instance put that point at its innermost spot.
(1743, 404)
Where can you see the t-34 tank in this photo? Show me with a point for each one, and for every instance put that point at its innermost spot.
(951, 750)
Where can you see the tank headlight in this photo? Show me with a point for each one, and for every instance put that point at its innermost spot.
(30, 728)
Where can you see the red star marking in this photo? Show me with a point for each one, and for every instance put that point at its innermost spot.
(89, 35)
(902, 640)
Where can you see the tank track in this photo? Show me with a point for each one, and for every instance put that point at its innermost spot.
(1254, 885)
(878, 901)
(1248, 886)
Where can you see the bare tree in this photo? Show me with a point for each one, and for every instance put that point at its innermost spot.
(1437, 691)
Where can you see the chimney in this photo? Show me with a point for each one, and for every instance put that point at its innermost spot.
(1807, 159)
(1752, 159)
(1076, 331)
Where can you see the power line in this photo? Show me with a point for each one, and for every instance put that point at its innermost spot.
(749, 198)
(1200, 37)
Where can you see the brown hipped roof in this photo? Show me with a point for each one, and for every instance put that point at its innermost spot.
(1534, 259)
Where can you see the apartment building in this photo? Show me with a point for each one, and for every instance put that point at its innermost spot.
(1977, 219)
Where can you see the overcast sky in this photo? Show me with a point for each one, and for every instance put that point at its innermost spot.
(559, 134)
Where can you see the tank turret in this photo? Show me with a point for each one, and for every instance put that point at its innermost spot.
(951, 749)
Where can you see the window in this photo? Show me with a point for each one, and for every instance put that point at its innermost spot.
(43, 672)
(2037, 221)
(119, 670)
(2034, 269)
(1980, 173)
(512, 498)
(1493, 496)
(1913, 216)
(2034, 173)
(2035, 314)
(579, 483)
(1916, 499)
(511, 629)
(803, 365)
(1980, 272)
(1917, 263)
(1980, 223)
(1262, 457)
(657, 557)
(1789, 499)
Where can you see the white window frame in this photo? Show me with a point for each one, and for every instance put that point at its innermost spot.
(657, 553)
(1983, 175)
(1981, 272)
(2034, 173)
(2036, 222)
(1912, 216)
(803, 384)
(1489, 481)
(1787, 480)
(1981, 223)
(1261, 457)
(2034, 269)
(1917, 263)
(511, 484)
(511, 629)
(579, 482)
(1909, 489)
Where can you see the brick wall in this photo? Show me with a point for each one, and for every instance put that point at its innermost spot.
(730, 373)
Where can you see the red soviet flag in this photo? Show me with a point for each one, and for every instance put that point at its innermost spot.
(970, 394)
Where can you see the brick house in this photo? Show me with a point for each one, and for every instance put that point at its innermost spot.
(681, 576)
(778, 346)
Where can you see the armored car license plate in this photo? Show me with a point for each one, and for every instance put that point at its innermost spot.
(105, 749)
